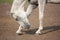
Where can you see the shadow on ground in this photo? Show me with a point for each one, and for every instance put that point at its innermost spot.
(45, 30)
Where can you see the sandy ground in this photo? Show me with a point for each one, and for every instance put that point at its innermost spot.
(8, 25)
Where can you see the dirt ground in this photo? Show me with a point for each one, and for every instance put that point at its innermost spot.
(8, 25)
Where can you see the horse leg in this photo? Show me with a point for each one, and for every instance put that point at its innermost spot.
(29, 9)
(19, 31)
(41, 14)
(32, 5)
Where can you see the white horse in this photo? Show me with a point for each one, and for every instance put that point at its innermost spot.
(21, 16)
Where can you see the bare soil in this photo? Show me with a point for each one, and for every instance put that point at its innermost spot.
(8, 25)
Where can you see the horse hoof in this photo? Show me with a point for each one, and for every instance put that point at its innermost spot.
(19, 33)
(38, 33)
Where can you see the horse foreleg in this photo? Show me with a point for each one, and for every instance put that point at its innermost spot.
(29, 9)
(32, 5)
(41, 14)
(19, 31)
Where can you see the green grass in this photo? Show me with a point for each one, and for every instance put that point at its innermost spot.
(6, 1)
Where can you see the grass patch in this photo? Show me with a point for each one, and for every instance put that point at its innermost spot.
(6, 1)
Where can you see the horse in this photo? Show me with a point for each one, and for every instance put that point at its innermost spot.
(21, 16)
